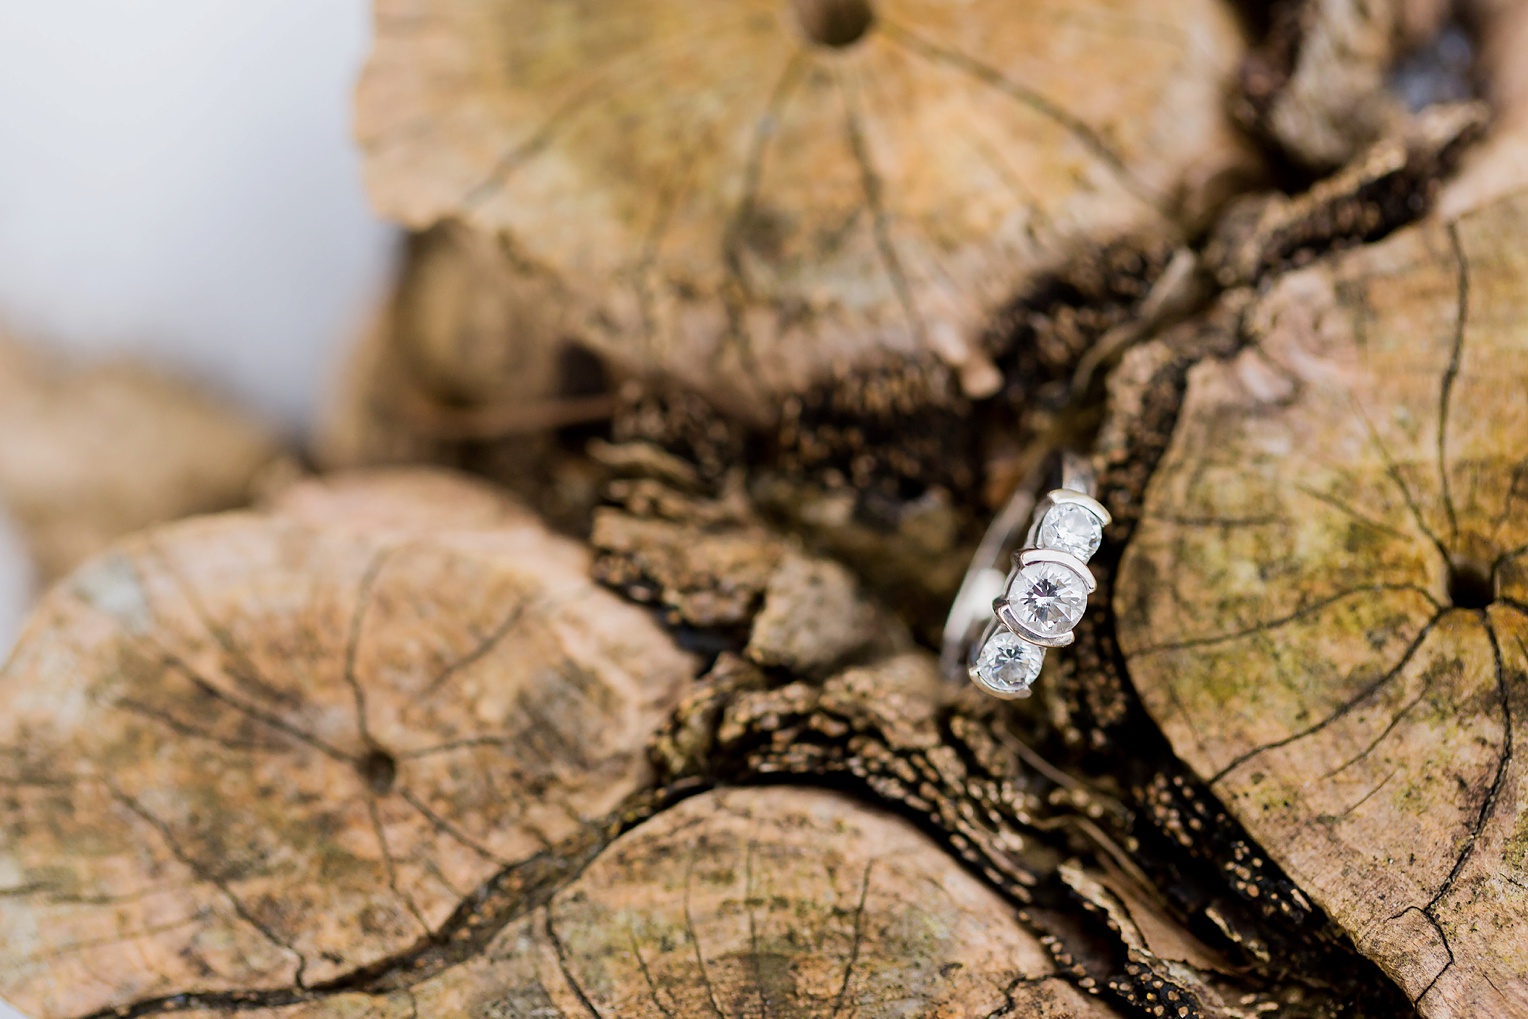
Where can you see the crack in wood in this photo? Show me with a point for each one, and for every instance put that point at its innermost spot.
(1303, 612)
(1393, 472)
(1084, 133)
(749, 903)
(764, 130)
(1446, 389)
(647, 976)
(1367, 691)
(204, 685)
(689, 928)
(389, 867)
(188, 730)
(854, 945)
(874, 191)
(560, 951)
(511, 893)
(1493, 792)
(353, 641)
(485, 645)
(1351, 513)
(200, 872)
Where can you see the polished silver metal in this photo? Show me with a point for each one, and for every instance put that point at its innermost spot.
(971, 623)
(1063, 496)
(1025, 557)
(971, 617)
(1006, 616)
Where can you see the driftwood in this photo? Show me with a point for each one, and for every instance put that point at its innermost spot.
(392, 746)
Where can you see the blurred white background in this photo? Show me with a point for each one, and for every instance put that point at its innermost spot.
(177, 180)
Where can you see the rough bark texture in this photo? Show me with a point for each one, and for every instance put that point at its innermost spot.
(88, 454)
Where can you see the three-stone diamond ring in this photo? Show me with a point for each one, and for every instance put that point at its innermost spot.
(1038, 602)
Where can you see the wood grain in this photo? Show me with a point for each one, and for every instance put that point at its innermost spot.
(263, 750)
(719, 198)
(1324, 605)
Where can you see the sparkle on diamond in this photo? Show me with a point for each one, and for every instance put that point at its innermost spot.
(1007, 664)
(1047, 598)
(1068, 527)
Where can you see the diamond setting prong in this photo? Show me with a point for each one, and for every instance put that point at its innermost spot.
(1010, 619)
(1005, 665)
(1067, 497)
(1031, 556)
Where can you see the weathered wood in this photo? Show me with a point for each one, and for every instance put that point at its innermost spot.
(778, 260)
(1495, 168)
(753, 903)
(714, 567)
(794, 902)
(737, 203)
(1152, 922)
(1324, 605)
(1273, 775)
(264, 751)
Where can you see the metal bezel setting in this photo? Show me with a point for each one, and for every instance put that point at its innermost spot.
(1061, 497)
(992, 691)
(1007, 618)
(1027, 556)
(1076, 486)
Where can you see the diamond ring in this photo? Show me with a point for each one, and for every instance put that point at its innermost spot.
(1042, 597)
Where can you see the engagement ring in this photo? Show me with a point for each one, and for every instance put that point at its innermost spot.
(1043, 595)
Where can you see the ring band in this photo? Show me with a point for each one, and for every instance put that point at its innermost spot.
(1044, 593)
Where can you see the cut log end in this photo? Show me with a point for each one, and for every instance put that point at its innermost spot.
(1324, 603)
(860, 180)
(259, 751)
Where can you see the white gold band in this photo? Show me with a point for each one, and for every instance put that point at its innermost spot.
(1036, 606)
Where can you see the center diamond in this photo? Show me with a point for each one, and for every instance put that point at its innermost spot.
(1048, 598)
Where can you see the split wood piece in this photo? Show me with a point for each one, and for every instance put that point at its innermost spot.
(262, 750)
(88, 454)
(745, 198)
(1325, 603)
(751, 902)
(463, 367)
(877, 470)
(711, 565)
(1392, 183)
(1319, 82)
(1154, 944)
